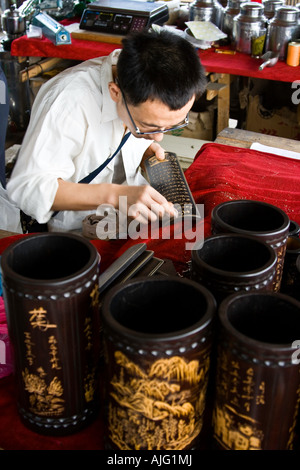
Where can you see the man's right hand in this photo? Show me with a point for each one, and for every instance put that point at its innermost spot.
(144, 203)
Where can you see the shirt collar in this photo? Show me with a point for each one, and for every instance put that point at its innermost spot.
(109, 105)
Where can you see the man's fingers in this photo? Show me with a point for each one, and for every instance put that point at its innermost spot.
(147, 204)
(158, 151)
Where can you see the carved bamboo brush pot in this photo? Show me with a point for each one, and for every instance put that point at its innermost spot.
(260, 219)
(258, 377)
(157, 343)
(229, 263)
(50, 286)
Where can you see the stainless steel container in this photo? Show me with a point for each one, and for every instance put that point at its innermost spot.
(207, 10)
(270, 7)
(298, 6)
(13, 24)
(250, 28)
(232, 9)
(283, 28)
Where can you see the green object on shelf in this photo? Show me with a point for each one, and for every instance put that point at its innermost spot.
(80, 7)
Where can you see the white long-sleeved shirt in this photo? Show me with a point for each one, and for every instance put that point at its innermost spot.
(74, 127)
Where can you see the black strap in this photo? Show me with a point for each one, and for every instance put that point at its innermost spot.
(93, 174)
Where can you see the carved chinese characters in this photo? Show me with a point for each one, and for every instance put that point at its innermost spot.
(257, 382)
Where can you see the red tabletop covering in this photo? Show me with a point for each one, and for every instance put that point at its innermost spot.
(219, 173)
(238, 64)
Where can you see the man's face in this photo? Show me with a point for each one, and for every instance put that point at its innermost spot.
(154, 116)
(148, 116)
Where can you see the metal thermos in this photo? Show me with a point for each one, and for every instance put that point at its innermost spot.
(13, 24)
(298, 6)
(250, 28)
(207, 10)
(270, 7)
(232, 9)
(283, 28)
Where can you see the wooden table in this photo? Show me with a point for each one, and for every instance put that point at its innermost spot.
(5, 233)
(244, 139)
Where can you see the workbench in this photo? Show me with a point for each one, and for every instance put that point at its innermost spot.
(244, 139)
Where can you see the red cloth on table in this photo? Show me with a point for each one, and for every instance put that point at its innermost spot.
(237, 64)
(78, 50)
(219, 173)
(247, 66)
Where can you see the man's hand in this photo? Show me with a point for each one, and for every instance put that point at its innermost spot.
(144, 203)
(154, 149)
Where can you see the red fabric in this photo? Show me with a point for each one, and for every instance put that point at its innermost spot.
(238, 64)
(247, 66)
(219, 173)
(78, 50)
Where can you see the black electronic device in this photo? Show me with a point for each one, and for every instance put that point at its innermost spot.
(123, 17)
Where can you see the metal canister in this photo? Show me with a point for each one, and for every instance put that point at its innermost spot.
(250, 28)
(283, 28)
(232, 9)
(298, 6)
(270, 7)
(13, 23)
(207, 10)
(293, 54)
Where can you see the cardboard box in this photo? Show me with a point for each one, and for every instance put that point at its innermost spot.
(278, 122)
(200, 126)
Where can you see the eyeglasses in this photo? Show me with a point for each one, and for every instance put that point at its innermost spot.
(182, 124)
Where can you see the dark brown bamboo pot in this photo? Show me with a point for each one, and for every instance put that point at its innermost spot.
(50, 285)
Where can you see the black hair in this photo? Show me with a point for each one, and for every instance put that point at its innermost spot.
(160, 65)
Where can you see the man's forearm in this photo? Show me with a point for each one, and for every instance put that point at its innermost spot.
(143, 202)
(78, 196)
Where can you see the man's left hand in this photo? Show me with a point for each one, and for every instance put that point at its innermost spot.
(154, 149)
